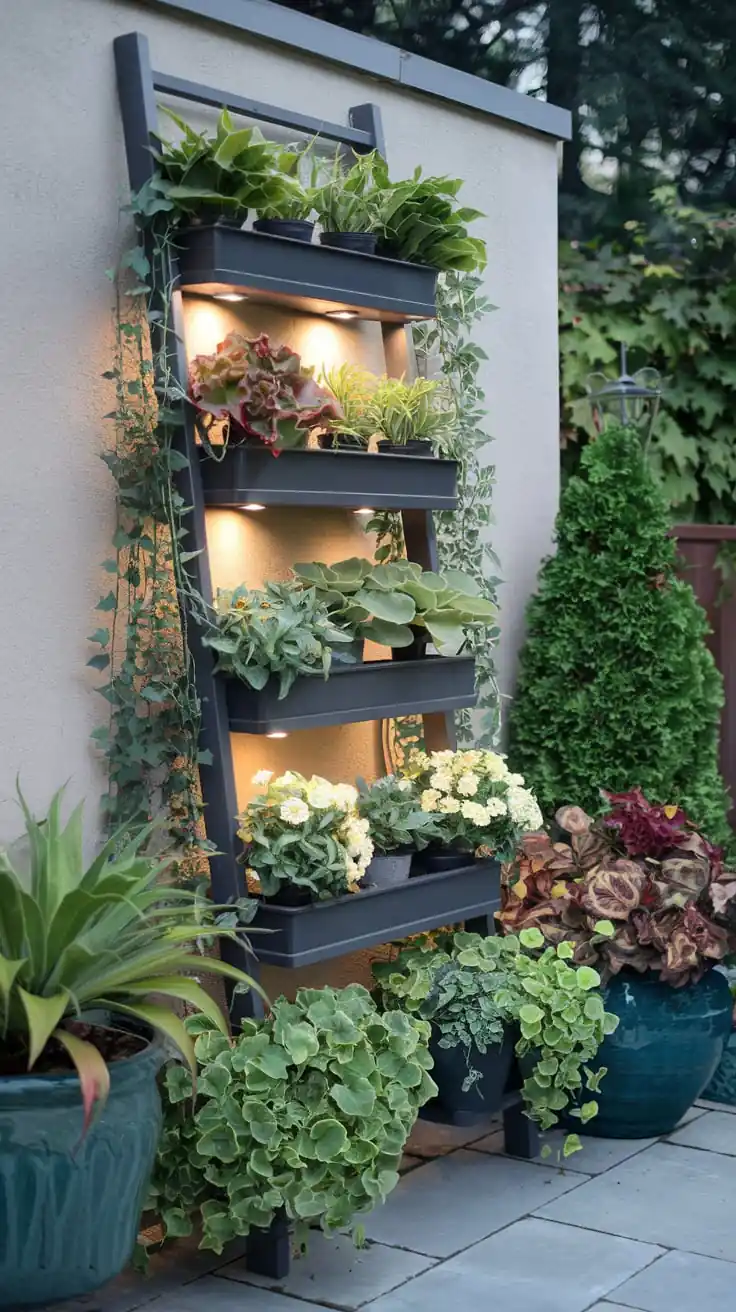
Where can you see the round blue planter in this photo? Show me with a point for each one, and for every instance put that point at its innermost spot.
(70, 1210)
(665, 1051)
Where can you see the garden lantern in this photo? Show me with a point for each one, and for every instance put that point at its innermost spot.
(628, 399)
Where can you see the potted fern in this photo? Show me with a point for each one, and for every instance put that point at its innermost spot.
(84, 949)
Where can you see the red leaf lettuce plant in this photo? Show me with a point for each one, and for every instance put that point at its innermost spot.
(639, 889)
(264, 391)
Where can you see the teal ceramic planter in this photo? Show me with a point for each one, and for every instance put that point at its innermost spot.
(70, 1210)
(722, 1087)
(665, 1051)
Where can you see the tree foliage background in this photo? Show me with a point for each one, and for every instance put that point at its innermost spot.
(651, 85)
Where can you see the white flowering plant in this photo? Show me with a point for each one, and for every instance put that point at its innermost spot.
(305, 833)
(397, 821)
(475, 798)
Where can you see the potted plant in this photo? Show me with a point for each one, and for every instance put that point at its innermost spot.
(304, 839)
(306, 1114)
(280, 631)
(490, 998)
(290, 215)
(418, 220)
(263, 393)
(84, 951)
(644, 897)
(399, 605)
(476, 801)
(397, 826)
(218, 179)
(352, 388)
(346, 204)
(407, 416)
(722, 1087)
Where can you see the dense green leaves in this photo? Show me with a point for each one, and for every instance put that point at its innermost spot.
(321, 1099)
(617, 688)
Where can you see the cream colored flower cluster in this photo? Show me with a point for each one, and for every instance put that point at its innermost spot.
(476, 785)
(298, 799)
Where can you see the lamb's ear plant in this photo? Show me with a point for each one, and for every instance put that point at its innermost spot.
(307, 1112)
(104, 937)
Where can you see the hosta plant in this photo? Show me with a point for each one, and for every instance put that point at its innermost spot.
(280, 631)
(474, 989)
(383, 602)
(419, 220)
(474, 797)
(304, 833)
(395, 818)
(104, 937)
(638, 889)
(229, 173)
(307, 1112)
(260, 390)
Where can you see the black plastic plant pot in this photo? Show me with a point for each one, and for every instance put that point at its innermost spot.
(388, 868)
(295, 229)
(447, 857)
(416, 446)
(208, 214)
(416, 650)
(451, 1066)
(299, 936)
(290, 895)
(349, 653)
(352, 479)
(362, 243)
(375, 690)
(340, 442)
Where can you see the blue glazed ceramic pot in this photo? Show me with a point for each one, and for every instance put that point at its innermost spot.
(665, 1051)
(722, 1087)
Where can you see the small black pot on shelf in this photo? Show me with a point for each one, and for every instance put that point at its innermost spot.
(208, 214)
(416, 650)
(339, 442)
(388, 868)
(445, 856)
(416, 446)
(290, 895)
(450, 1071)
(296, 229)
(350, 653)
(363, 243)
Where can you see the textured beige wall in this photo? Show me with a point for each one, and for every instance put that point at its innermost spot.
(63, 170)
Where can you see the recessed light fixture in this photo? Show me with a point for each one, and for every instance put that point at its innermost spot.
(277, 733)
(341, 314)
(229, 296)
(253, 505)
(364, 510)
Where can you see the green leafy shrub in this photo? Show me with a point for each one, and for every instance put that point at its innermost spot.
(617, 688)
(306, 1111)
(281, 630)
(419, 220)
(473, 989)
(395, 818)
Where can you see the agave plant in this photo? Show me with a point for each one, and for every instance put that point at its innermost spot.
(382, 602)
(264, 391)
(106, 937)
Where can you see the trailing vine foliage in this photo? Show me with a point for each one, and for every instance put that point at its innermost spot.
(151, 737)
(462, 539)
(669, 293)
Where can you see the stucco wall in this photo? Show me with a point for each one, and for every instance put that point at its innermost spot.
(63, 170)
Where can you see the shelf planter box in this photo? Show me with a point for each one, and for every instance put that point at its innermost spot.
(329, 478)
(302, 935)
(377, 690)
(308, 277)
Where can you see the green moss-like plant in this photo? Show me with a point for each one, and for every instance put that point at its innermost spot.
(617, 688)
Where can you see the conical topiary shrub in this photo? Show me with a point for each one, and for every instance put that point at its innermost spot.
(616, 686)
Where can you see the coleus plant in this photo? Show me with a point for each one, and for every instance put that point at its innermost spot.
(638, 889)
(264, 391)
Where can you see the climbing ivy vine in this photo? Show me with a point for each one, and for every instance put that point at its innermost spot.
(151, 735)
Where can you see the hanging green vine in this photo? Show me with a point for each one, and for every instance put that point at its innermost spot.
(151, 737)
(462, 539)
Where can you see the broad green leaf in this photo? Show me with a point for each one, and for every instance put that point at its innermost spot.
(94, 1077)
(43, 1016)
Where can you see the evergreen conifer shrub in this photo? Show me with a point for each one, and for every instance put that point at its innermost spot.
(617, 687)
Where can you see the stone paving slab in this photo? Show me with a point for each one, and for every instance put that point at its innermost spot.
(681, 1282)
(333, 1271)
(457, 1200)
(170, 1269)
(533, 1266)
(714, 1131)
(428, 1140)
(675, 1196)
(716, 1106)
(211, 1294)
(597, 1155)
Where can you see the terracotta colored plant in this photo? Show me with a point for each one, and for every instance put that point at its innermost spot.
(639, 888)
(263, 390)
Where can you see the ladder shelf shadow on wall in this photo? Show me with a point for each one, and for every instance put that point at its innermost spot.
(277, 271)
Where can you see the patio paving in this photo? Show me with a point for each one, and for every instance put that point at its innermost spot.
(644, 1225)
